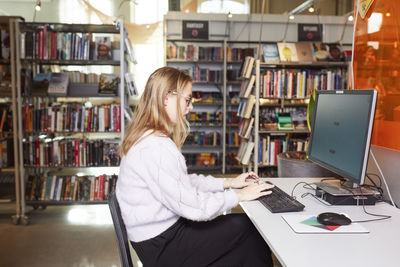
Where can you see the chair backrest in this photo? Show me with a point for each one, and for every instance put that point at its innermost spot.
(120, 230)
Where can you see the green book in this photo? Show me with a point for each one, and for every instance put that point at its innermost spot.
(284, 121)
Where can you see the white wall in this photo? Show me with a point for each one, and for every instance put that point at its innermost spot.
(64, 11)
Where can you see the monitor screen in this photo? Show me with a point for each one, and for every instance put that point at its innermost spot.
(341, 131)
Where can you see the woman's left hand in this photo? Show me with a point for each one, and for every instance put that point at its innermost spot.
(242, 180)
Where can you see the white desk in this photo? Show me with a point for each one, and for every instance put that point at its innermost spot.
(380, 247)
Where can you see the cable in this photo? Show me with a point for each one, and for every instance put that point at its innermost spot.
(383, 217)
(309, 186)
(285, 32)
(383, 177)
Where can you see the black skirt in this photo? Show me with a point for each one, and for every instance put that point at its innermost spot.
(228, 240)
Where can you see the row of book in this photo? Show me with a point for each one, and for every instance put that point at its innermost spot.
(59, 83)
(231, 159)
(81, 77)
(202, 159)
(269, 118)
(194, 52)
(71, 117)
(232, 138)
(70, 153)
(205, 74)
(305, 52)
(205, 117)
(269, 148)
(6, 153)
(294, 83)
(4, 44)
(49, 45)
(70, 188)
(202, 138)
(6, 124)
(206, 97)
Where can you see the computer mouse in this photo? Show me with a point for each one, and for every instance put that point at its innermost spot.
(331, 218)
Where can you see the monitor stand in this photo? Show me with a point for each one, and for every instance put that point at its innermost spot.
(336, 194)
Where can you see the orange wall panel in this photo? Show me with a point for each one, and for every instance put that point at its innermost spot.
(377, 65)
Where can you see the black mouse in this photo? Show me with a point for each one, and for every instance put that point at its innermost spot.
(331, 218)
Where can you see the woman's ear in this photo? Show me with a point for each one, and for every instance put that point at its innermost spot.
(166, 100)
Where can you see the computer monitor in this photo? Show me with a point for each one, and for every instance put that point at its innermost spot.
(341, 132)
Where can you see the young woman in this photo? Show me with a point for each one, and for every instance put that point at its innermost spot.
(172, 217)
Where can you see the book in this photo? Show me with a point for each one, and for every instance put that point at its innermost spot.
(58, 85)
(130, 81)
(40, 83)
(320, 51)
(250, 85)
(284, 121)
(246, 67)
(102, 48)
(247, 153)
(5, 44)
(287, 52)
(109, 84)
(129, 50)
(304, 52)
(335, 52)
(270, 52)
(248, 109)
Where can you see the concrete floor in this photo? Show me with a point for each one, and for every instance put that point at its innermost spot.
(77, 236)
(73, 236)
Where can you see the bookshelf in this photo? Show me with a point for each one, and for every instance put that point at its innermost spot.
(9, 176)
(243, 31)
(68, 141)
(213, 64)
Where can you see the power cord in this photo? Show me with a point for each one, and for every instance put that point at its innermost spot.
(310, 187)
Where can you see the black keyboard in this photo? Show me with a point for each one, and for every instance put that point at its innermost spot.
(279, 201)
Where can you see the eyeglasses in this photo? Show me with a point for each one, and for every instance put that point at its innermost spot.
(187, 99)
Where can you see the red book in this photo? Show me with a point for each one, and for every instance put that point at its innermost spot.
(276, 151)
(53, 45)
(96, 188)
(102, 179)
(44, 42)
(119, 117)
(89, 121)
(76, 152)
(37, 148)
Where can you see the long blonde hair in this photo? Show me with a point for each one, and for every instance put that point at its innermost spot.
(151, 114)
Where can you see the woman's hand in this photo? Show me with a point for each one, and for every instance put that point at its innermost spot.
(242, 180)
(254, 191)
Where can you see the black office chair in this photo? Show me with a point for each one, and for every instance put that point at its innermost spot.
(120, 230)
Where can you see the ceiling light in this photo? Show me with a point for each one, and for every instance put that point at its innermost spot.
(387, 14)
(311, 9)
(291, 17)
(351, 18)
(38, 5)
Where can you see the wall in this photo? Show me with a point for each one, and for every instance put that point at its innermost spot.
(64, 11)
(376, 65)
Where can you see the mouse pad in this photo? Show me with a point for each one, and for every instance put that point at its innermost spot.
(308, 224)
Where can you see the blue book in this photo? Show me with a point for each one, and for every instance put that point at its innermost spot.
(271, 53)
